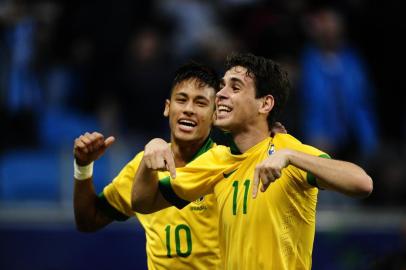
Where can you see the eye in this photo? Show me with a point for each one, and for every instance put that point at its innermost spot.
(181, 100)
(236, 88)
(201, 103)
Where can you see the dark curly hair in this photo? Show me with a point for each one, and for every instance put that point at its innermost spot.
(269, 78)
(205, 75)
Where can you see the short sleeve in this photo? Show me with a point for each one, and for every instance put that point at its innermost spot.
(118, 192)
(288, 141)
(197, 179)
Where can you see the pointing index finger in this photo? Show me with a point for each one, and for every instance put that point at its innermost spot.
(256, 183)
(170, 164)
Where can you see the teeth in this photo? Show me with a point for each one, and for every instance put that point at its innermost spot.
(187, 122)
(222, 108)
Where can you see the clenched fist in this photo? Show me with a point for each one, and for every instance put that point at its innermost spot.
(270, 170)
(90, 146)
(158, 156)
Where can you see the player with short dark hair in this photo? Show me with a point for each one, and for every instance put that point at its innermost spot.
(275, 228)
(176, 239)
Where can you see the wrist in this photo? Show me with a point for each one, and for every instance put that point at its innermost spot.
(290, 155)
(82, 172)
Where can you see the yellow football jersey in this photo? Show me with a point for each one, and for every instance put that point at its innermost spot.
(176, 239)
(273, 231)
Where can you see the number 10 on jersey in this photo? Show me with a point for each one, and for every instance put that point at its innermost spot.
(188, 240)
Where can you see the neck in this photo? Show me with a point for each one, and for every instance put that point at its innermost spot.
(184, 151)
(250, 137)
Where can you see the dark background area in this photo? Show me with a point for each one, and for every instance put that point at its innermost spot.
(67, 67)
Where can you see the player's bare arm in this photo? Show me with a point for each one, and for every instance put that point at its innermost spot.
(86, 149)
(340, 176)
(146, 197)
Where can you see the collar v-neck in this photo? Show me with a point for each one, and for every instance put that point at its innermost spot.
(234, 148)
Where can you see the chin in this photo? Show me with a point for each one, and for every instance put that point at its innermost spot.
(185, 137)
(222, 123)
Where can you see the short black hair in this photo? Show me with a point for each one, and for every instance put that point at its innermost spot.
(268, 76)
(205, 75)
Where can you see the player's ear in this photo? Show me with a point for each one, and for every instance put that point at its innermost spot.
(266, 104)
(167, 105)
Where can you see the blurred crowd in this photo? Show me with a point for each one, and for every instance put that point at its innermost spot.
(67, 68)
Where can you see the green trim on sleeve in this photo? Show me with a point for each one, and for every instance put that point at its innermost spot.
(311, 179)
(325, 156)
(169, 194)
(109, 210)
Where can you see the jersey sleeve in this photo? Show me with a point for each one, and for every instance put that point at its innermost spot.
(288, 141)
(196, 179)
(117, 194)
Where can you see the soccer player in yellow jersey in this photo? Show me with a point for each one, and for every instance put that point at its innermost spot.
(176, 239)
(273, 229)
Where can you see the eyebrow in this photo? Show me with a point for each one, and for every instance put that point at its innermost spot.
(197, 97)
(181, 94)
(202, 97)
(234, 80)
(237, 80)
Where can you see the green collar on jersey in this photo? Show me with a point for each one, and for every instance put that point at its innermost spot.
(230, 142)
(205, 147)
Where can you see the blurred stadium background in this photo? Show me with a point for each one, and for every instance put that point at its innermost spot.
(67, 67)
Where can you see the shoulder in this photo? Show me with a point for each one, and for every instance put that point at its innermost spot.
(215, 155)
(288, 141)
(135, 161)
(216, 150)
(285, 140)
(220, 149)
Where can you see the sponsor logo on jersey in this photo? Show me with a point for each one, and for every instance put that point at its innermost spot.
(271, 149)
(198, 205)
(199, 201)
(226, 175)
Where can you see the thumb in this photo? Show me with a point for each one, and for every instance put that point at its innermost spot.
(109, 141)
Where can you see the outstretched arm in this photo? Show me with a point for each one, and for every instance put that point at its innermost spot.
(87, 148)
(146, 197)
(341, 176)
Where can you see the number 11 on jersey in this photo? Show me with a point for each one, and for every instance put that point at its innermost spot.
(235, 194)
